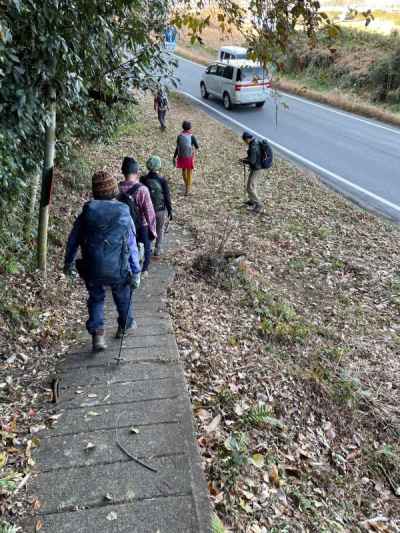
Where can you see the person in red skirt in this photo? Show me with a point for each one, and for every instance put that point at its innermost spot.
(184, 156)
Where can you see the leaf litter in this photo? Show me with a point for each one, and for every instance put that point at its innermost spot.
(287, 324)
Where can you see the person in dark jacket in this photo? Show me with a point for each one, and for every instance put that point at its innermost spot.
(160, 196)
(253, 160)
(184, 156)
(106, 235)
(161, 106)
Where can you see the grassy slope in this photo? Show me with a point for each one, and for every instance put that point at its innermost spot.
(291, 351)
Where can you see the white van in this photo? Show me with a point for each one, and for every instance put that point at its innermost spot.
(238, 82)
(226, 53)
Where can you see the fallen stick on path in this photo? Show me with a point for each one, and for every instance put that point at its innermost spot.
(126, 452)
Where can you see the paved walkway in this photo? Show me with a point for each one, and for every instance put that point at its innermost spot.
(86, 482)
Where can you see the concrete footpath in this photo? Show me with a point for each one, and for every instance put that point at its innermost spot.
(88, 482)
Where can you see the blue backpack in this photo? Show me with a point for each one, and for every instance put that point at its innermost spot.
(105, 250)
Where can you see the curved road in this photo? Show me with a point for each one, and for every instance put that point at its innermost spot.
(356, 156)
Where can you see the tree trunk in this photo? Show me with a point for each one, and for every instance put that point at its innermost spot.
(31, 204)
(47, 180)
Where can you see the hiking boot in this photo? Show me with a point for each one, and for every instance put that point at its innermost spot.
(98, 342)
(249, 202)
(120, 330)
(257, 208)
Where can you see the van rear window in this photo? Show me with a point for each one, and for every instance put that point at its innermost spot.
(251, 74)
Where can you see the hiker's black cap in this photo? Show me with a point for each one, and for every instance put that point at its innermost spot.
(246, 136)
(129, 166)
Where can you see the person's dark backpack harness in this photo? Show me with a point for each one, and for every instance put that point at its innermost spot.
(266, 154)
(129, 198)
(156, 192)
(162, 102)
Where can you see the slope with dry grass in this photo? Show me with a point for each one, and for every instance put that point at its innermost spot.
(287, 323)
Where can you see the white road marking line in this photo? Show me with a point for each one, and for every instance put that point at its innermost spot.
(298, 157)
(348, 115)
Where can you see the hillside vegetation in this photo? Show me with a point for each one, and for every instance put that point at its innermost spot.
(361, 63)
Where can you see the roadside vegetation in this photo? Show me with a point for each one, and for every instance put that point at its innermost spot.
(287, 325)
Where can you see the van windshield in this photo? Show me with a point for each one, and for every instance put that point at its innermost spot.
(251, 74)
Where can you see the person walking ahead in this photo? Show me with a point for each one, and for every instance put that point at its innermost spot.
(160, 196)
(254, 162)
(161, 106)
(106, 235)
(184, 156)
(135, 194)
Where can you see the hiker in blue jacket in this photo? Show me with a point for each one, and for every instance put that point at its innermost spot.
(105, 232)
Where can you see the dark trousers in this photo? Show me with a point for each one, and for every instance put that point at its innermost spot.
(144, 237)
(161, 118)
(121, 294)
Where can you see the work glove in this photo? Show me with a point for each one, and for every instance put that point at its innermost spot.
(135, 280)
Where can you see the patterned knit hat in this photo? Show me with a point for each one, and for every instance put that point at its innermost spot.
(104, 186)
(153, 163)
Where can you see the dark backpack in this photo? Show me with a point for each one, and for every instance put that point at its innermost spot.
(266, 154)
(129, 198)
(162, 102)
(156, 193)
(105, 250)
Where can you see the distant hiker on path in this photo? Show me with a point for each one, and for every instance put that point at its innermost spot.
(137, 196)
(160, 196)
(106, 235)
(161, 106)
(259, 158)
(184, 156)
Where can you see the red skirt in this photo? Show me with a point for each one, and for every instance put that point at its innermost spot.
(185, 162)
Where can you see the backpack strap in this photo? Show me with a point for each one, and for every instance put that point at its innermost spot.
(134, 189)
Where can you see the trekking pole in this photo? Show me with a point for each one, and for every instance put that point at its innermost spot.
(118, 359)
(244, 181)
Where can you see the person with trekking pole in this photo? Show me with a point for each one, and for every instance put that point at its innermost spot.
(138, 198)
(259, 158)
(161, 198)
(105, 233)
(161, 106)
(185, 152)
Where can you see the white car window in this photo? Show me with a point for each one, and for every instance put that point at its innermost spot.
(212, 69)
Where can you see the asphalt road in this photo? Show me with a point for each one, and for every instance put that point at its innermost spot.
(358, 157)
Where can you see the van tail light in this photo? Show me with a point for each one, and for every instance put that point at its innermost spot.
(237, 87)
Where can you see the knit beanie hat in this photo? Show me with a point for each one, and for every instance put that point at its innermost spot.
(129, 166)
(104, 186)
(153, 163)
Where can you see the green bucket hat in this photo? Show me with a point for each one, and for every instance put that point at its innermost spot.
(153, 163)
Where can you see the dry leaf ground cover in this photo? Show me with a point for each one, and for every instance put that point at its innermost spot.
(287, 323)
(39, 320)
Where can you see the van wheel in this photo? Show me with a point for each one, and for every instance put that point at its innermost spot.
(260, 104)
(203, 90)
(227, 101)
